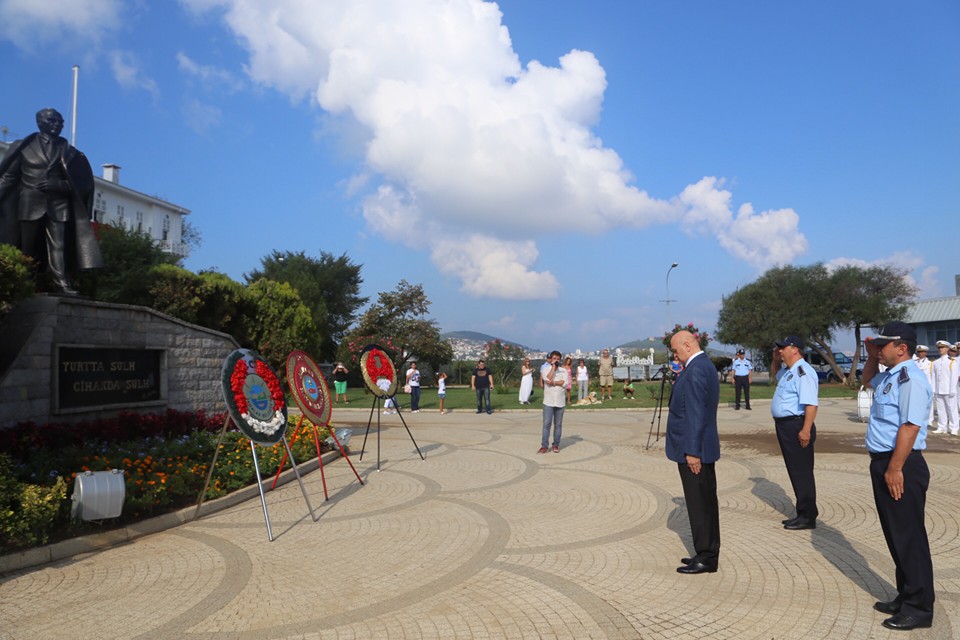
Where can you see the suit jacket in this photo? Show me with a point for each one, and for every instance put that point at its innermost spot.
(692, 419)
(17, 202)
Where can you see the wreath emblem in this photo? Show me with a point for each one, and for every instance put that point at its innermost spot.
(308, 387)
(378, 372)
(254, 397)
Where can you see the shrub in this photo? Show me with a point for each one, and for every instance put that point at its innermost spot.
(16, 283)
(165, 459)
(28, 512)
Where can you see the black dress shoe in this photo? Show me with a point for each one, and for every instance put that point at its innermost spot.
(904, 622)
(697, 567)
(799, 525)
(749, 408)
(788, 521)
(890, 608)
(689, 560)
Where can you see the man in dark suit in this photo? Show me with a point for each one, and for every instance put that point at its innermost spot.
(52, 183)
(694, 444)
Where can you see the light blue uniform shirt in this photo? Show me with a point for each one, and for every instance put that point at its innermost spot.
(901, 395)
(796, 388)
(741, 367)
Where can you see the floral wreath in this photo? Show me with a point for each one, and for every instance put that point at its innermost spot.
(300, 369)
(261, 413)
(376, 365)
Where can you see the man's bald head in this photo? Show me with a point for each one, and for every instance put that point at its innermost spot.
(684, 344)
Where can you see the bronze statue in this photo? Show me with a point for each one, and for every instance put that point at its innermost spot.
(46, 196)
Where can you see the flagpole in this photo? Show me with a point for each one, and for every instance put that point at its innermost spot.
(73, 126)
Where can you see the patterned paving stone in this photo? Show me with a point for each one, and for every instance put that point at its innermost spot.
(488, 540)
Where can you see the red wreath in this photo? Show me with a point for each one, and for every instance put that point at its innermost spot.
(276, 392)
(239, 377)
(375, 372)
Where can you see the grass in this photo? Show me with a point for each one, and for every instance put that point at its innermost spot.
(463, 398)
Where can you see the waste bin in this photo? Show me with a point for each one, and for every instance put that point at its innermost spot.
(98, 495)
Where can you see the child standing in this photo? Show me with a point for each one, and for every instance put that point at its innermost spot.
(384, 385)
(441, 389)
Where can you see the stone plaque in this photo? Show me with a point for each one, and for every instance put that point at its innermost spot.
(102, 377)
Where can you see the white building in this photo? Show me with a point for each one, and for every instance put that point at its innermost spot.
(120, 206)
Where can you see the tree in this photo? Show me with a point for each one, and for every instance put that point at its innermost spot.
(503, 360)
(703, 338)
(783, 301)
(398, 322)
(329, 287)
(812, 303)
(227, 306)
(281, 322)
(176, 292)
(128, 256)
(869, 296)
(209, 299)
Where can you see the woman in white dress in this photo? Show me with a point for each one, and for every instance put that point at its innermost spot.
(526, 382)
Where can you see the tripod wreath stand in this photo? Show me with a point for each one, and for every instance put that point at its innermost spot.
(381, 379)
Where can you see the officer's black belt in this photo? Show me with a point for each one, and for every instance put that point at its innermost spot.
(787, 419)
(886, 455)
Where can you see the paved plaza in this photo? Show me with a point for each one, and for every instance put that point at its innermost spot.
(486, 539)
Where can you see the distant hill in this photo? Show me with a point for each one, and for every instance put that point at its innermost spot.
(659, 348)
(483, 338)
(642, 344)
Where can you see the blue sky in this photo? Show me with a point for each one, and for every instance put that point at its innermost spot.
(536, 165)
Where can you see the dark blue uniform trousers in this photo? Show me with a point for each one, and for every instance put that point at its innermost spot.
(906, 534)
(799, 461)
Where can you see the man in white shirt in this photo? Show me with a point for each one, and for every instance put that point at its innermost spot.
(554, 379)
(945, 373)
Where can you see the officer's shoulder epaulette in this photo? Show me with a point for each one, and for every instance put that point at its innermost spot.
(904, 376)
(801, 371)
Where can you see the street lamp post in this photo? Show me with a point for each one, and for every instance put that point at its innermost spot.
(668, 300)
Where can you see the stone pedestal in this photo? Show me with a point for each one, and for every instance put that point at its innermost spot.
(68, 359)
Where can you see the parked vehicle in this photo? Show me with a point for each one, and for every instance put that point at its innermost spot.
(825, 372)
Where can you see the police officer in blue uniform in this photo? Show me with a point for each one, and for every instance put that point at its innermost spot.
(794, 409)
(742, 378)
(896, 436)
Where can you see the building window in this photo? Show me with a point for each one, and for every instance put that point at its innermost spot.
(99, 208)
(139, 221)
(121, 219)
(166, 228)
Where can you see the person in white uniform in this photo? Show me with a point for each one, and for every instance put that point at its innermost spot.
(926, 366)
(945, 389)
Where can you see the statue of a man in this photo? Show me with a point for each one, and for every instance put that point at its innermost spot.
(46, 195)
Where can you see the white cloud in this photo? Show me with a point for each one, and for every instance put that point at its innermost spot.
(129, 75)
(600, 325)
(474, 155)
(208, 75)
(30, 24)
(924, 278)
(494, 268)
(506, 322)
(556, 328)
(761, 239)
(201, 117)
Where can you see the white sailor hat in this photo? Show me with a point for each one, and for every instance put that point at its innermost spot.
(943, 343)
(922, 347)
